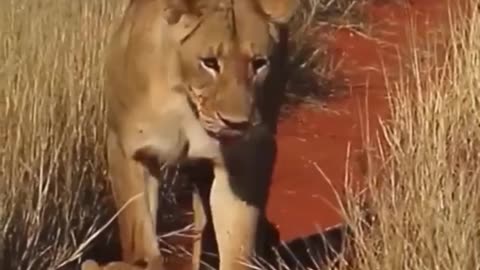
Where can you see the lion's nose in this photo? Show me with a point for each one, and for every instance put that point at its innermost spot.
(239, 123)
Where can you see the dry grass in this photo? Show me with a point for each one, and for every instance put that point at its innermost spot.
(426, 197)
(314, 74)
(52, 164)
(311, 76)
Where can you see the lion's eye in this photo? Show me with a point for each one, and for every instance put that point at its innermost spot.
(258, 63)
(211, 63)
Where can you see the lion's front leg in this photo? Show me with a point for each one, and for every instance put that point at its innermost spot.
(235, 222)
(204, 246)
(238, 197)
(136, 197)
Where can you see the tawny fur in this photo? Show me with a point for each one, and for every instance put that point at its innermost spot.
(159, 59)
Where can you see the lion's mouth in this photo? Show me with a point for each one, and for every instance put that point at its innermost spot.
(222, 134)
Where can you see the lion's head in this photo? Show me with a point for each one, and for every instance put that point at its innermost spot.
(224, 52)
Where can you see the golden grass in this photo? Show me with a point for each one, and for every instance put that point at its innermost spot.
(425, 200)
(52, 121)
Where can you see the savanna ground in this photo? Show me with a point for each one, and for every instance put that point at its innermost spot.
(423, 183)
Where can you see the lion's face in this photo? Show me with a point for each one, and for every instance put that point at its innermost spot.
(223, 63)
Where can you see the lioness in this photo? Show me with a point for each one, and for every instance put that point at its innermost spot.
(182, 80)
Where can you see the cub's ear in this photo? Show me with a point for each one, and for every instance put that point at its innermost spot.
(279, 11)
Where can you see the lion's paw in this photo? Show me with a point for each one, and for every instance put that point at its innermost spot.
(154, 264)
(90, 265)
(121, 266)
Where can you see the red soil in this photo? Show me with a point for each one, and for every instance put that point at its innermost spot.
(302, 200)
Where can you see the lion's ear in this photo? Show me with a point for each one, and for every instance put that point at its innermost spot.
(175, 9)
(279, 11)
(182, 16)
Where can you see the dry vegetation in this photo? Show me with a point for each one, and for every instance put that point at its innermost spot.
(425, 200)
(52, 169)
(311, 77)
(52, 123)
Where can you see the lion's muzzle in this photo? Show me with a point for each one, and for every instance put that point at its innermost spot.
(219, 125)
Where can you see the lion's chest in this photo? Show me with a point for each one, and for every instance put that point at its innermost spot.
(165, 131)
(200, 144)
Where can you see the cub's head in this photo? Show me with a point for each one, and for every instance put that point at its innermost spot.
(224, 51)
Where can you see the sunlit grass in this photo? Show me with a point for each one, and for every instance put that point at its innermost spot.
(425, 198)
(52, 164)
